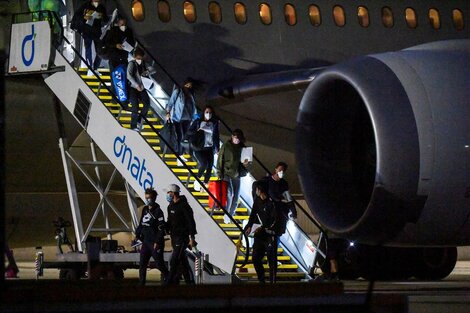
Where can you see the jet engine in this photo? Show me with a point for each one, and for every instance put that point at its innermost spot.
(383, 147)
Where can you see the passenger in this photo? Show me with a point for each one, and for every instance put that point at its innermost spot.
(263, 214)
(151, 231)
(182, 229)
(181, 109)
(278, 190)
(88, 20)
(205, 157)
(135, 70)
(229, 168)
(115, 38)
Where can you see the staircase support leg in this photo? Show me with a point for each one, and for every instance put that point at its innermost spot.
(73, 197)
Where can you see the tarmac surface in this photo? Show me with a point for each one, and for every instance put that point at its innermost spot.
(49, 294)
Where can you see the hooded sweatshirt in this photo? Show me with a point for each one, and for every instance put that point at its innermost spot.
(229, 159)
(181, 222)
(152, 224)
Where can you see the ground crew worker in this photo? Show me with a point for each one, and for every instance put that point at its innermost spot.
(263, 215)
(182, 229)
(151, 231)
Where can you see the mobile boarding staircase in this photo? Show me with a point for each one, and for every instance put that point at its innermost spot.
(138, 158)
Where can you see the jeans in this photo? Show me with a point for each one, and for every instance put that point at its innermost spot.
(181, 128)
(145, 253)
(233, 193)
(179, 264)
(88, 39)
(205, 159)
(134, 97)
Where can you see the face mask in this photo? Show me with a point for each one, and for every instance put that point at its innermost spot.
(207, 116)
(149, 201)
(138, 61)
(280, 174)
(169, 198)
(95, 4)
(235, 141)
(122, 28)
(257, 193)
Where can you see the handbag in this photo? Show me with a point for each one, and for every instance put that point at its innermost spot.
(168, 133)
(197, 140)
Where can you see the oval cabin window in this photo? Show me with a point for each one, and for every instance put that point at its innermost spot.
(363, 16)
(314, 14)
(290, 14)
(138, 10)
(434, 18)
(457, 19)
(387, 17)
(265, 14)
(338, 16)
(163, 9)
(215, 12)
(189, 11)
(411, 19)
(239, 10)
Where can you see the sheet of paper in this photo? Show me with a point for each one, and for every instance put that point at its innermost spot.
(247, 154)
(253, 229)
(126, 46)
(148, 83)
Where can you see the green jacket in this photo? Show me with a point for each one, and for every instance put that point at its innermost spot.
(229, 159)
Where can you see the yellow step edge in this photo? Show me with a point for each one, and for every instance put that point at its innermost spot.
(279, 258)
(279, 250)
(173, 163)
(297, 275)
(103, 77)
(279, 267)
(85, 69)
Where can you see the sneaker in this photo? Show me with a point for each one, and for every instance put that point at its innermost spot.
(197, 186)
(183, 158)
(136, 129)
(178, 162)
(90, 73)
(227, 219)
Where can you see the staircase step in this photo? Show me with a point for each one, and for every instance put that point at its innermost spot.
(192, 178)
(280, 258)
(290, 267)
(279, 250)
(103, 77)
(280, 275)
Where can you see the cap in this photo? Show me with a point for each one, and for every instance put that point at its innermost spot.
(173, 188)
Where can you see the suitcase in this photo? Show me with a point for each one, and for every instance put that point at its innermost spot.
(218, 189)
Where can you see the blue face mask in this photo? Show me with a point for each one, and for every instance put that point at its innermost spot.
(169, 198)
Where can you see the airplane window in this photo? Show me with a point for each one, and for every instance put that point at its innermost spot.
(290, 14)
(457, 18)
(265, 14)
(338, 15)
(189, 11)
(434, 18)
(315, 16)
(363, 16)
(215, 12)
(138, 10)
(387, 17)
(240, 13)
(411, 20)
(164, 13)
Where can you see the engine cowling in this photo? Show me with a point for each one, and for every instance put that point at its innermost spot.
(383, 146)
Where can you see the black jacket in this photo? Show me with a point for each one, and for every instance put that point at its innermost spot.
(196, 124)
(152, 225)
(263, 213)
(115, 36)
(181, 219)
(79, 21)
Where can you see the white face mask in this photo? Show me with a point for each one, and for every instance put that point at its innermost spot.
(208, 116)
(95, 4)
(280, 174)
(138, 61)
(122, 28)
